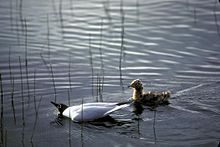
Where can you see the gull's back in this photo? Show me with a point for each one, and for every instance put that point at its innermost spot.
(91, 111)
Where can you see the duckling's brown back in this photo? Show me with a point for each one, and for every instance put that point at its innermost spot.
(156, 98)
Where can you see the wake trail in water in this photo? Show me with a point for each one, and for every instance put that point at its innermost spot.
(183, 109)
(181, 92)
(197, 104)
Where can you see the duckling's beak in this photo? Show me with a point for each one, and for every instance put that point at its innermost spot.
(55, 104)
(130, 86)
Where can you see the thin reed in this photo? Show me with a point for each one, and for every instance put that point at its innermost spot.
(26, 61)
(82, 124)
(137, 11)
(6, 138)
(22, 104)
(70, 89)
(55, 11)
(61, 14)
(70, 121)
(122, 44)
(22, 92)
(50, 69)
(91, 64)
(154, 126)
(69, 73)
(195, 16)
(48, 36)
(99, 89)
(2, 112)
(216, 19)
(12, 85)
(17, 24)
(34, 91)
(11, 15)
(12, 100)
(36, 118)
(101, 58)
(106, 7)
(50, 66)
(54, 85)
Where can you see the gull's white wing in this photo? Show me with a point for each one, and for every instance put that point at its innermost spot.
(91, 111)
(103, 104)
(116, 108)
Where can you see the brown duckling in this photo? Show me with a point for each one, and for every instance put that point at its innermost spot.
(149, 98)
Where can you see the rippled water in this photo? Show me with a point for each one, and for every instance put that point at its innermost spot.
(90, 50)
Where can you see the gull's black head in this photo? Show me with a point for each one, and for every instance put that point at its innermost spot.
(60, 107)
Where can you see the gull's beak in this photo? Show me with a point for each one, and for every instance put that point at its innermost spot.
(55, 104)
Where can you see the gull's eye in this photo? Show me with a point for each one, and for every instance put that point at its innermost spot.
(59, 106)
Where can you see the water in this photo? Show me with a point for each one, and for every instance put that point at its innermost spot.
(90, 50)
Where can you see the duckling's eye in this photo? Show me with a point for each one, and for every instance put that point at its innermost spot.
(59, 106)
(138, 82)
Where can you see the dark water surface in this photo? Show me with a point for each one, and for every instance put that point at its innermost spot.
(87, 50)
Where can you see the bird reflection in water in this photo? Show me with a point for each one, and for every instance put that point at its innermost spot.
(58, 121)
(137, 108)
(106, 121)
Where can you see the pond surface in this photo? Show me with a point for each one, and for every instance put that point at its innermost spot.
(90, 50)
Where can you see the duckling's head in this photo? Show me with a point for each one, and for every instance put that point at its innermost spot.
(136, 84)
(60, 107)
(137, 89)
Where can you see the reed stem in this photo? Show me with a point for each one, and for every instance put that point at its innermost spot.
(12, 100)
(48, 36)
(122, 44)
(82, 124)
(61, 15)
(69, 73)
(54, 85)
(17, 25)
(216, 19)
(11, 15)
(91, 64)
(36, 117)
(102, 64)
(22, 105)
(195, 16)
(2, 112)
(154, 127)
(35, 105)
(69, 120)
(22, 95)
(137, 11)
(55, 11)
(12, 85)
(50, 69)
(26, 61)
(6, 138)
(97, 88)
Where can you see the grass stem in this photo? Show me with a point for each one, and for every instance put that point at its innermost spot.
(12, 86)
(36, 117)
(2, 112)
(22, 93)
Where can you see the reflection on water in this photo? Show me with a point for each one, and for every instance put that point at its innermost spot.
(69, 51)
